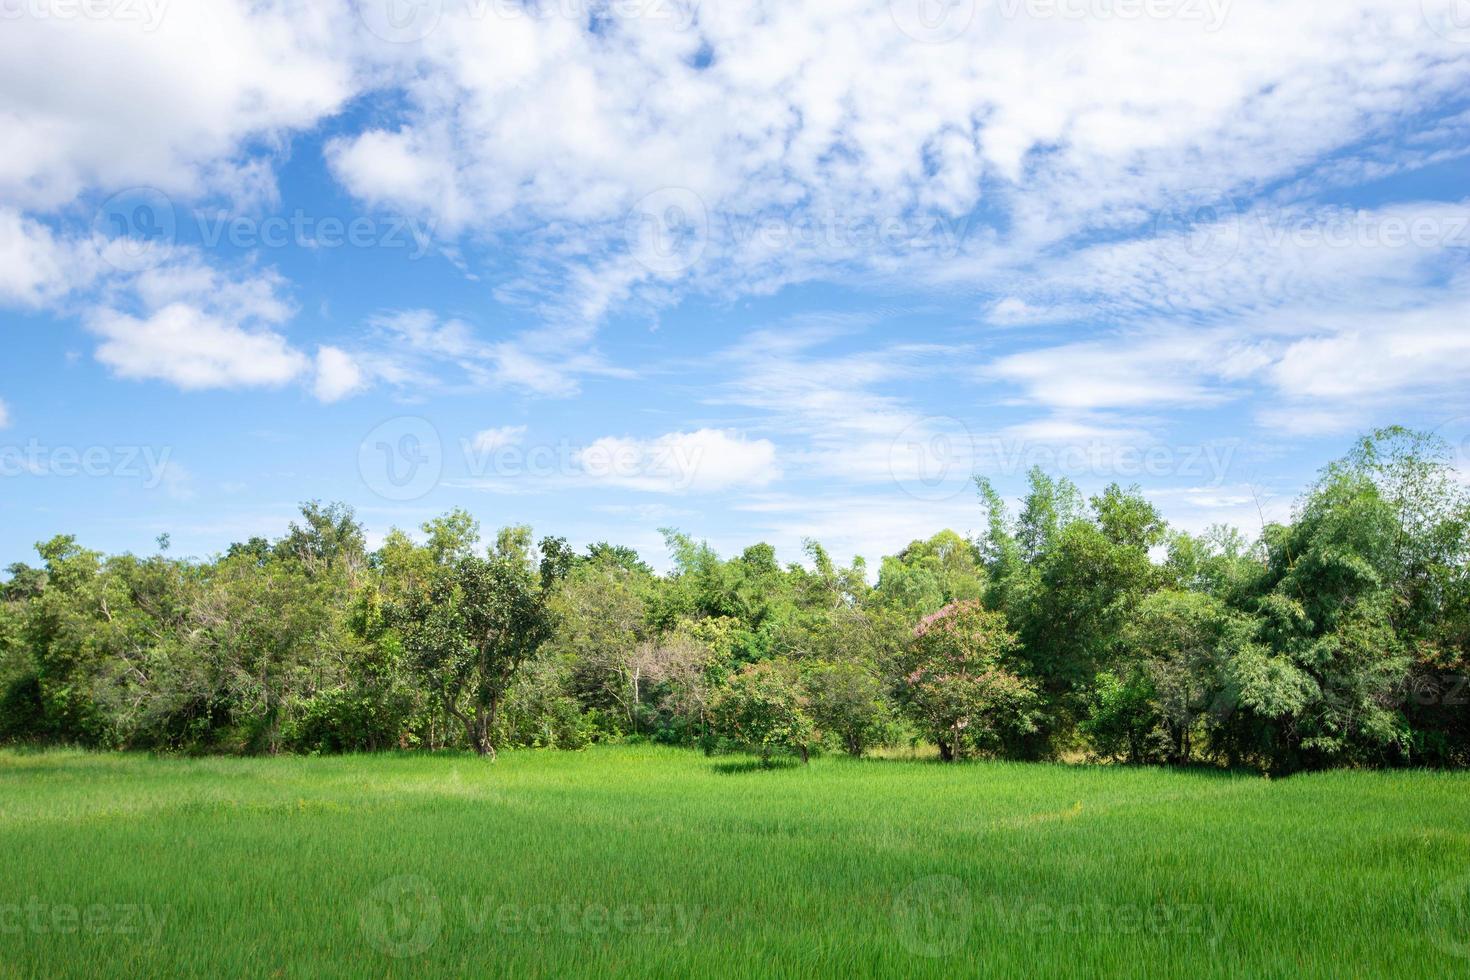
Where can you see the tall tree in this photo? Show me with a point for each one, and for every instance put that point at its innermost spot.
(468, 633)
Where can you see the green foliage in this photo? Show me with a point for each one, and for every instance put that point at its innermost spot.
(1123, 722)
(537, 714)
(847, 702)
(956, 686)
(929, 575)
(1078, 625)
(764, 707)
(467, 633)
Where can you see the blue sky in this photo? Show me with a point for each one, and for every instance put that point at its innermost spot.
(758, 271)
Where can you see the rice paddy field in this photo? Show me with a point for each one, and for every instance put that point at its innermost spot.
(660, 862)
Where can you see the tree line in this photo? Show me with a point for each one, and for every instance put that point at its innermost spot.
(1069, 628)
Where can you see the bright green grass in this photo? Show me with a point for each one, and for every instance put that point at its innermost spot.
(663, 862)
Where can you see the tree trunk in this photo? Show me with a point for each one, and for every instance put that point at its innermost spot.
(480, 735)
(471, 725)
(637, 698)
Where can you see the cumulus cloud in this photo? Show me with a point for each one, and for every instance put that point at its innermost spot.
(787, 139)
(704, 461)
(194, 350)
(167, 101)
(36, 266)
(337, 375)
(1154, 177)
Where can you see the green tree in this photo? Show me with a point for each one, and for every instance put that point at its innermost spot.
(467, 634)
(1175, 645)
(764, 707)
(956, 685)
(846, 701)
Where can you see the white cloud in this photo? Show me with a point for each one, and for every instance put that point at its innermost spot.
(827, 119)
(422, 332)
(491, 440)
(1240, 261)
(1376, 354)
(1326, 318)
(397, 168)
(36, 267)
(1168, 369)
(414, 347)
(337, 375)
(186, 277)
(4, 415)
(168, 102)
(194, 350)
(793, 133)
(704, 461)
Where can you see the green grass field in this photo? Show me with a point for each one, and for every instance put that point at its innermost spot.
(664, 862)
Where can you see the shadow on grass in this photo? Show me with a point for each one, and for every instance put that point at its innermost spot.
(736, 766)
(1201, 769)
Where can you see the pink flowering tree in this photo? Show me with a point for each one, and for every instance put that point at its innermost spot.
(955, 685)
